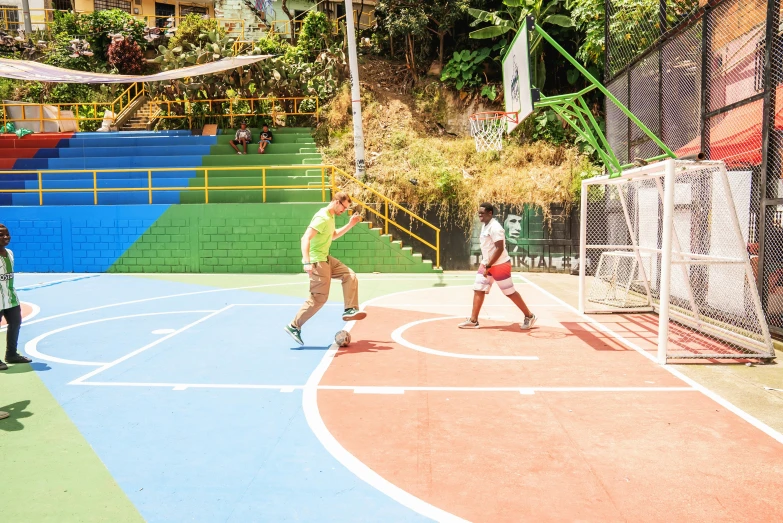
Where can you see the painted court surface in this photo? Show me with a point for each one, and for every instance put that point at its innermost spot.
(180, 398)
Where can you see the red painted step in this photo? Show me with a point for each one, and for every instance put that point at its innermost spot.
(27, 152)
(7, 163)
(35, 143)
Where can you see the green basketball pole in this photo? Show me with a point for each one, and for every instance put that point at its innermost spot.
(573, 109)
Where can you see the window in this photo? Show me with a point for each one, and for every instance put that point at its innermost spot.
(162, 14)
(9, 17)
(105, 5)
(185, 10)
(62, 5)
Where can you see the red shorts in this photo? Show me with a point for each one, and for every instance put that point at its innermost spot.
(500, 273)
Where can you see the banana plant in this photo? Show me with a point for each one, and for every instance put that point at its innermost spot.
(510, 19)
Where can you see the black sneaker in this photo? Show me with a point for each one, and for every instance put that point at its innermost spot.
(17, 358)
(353, 314)
(295, 333)
(3, 366)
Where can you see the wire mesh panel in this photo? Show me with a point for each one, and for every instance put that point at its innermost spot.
(735, 135)
(616, 121)
(773, 266)
(713, 305)
(681, 91)
(735, 60)
(645, 104)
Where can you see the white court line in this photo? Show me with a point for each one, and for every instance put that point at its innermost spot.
(31, 347)
(154, 298)
(34, 311)
(372, 389)
(348, 460)
(34, 286)
(146, 347)
(696, 385)
(398, 338)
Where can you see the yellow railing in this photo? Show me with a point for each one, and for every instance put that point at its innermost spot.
(327, 181)
(235, 27)
(365, 22)
(227, 107)
(71, 112)
(163, 109)
(387, 205)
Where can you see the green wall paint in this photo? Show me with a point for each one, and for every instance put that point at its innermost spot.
(247, 238)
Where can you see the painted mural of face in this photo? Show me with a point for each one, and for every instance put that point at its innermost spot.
(513, 227)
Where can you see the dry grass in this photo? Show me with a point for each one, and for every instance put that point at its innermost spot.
(408, 163)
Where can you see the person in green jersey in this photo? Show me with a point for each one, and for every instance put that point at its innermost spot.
(322, 268)
(9, 301)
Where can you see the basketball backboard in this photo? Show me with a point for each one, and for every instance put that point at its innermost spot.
(516, 79)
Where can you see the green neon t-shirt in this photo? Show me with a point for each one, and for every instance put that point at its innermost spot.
(323, 222)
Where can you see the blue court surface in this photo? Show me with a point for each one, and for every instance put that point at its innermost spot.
(192, 395)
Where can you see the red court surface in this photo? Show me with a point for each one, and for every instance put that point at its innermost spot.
(584, 429)
(28, 311)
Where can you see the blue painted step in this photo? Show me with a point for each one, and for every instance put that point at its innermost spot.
(156, 141)
(132, 162)
(133, 150)
(86, 198)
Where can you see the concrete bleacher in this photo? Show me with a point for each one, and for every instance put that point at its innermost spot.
(115, 154)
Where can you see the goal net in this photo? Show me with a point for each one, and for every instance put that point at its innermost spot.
(666, 238)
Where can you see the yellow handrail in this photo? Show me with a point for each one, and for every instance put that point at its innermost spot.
(136, 90)
(386, 201)
(323, 186)
(254, 104)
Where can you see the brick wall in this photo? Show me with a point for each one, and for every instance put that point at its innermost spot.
(247, 238)
(215, 238)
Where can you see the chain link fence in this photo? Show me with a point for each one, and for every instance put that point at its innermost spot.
(699, 75)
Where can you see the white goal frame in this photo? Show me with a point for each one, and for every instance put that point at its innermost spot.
(646, 286)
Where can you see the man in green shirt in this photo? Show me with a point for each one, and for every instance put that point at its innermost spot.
(322, 268)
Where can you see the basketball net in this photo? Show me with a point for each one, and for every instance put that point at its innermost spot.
(487, 129)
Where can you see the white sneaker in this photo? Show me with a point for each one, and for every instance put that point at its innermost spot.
(467, 324)
(527, 324)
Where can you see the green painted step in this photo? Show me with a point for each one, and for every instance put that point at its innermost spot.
(285, 138)
(275, 148)
(257, 180)
(235, 160)
(302, 170)
(257, 196)
(308, 131)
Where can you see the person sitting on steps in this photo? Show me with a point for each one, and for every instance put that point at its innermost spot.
(266, 139)
(243, 137)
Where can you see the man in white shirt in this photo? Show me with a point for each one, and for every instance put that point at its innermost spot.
(495, 267)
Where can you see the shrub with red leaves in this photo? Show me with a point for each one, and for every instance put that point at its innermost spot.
(126, 56)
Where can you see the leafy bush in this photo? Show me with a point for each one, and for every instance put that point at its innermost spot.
(99, 25)
(464, 68)
(126, 56)
(315, 34)
(192, 27)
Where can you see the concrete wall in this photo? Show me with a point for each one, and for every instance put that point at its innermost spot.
(214, 238)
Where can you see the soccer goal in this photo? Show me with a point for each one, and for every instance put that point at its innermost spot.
(667, 238)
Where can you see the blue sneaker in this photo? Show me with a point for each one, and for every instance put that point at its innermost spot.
(295, 333)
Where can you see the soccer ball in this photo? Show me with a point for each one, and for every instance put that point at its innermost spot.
(342, 338)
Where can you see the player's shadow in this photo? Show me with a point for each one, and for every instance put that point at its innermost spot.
(362, 346)
(27, 367)
(17, 412)
(323, 349)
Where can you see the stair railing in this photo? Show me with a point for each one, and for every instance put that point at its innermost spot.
(383, 208)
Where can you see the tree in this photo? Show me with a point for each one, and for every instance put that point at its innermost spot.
(510, 19)
(444, 13)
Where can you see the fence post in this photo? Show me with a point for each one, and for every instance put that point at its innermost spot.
(437, 247)
(40, 188)
(149, 184)
(206, 185)
(323, 184)
(263, 184)
(95, 187)
(386, 215)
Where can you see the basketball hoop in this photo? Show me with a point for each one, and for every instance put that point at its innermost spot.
(487, 129)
